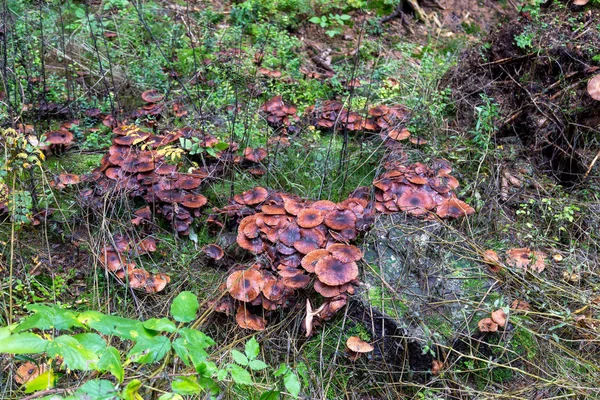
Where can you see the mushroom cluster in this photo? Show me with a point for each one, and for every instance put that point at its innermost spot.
(58, 141)
(385, 119)
(302, 242)
(419, 190)
(154, 104)
(134, 164)
(497, 319)
(280, 116)
(115, 259)
(520, 258)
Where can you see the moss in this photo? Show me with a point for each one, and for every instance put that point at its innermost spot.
(523, 341)
(75, 163)
(382, 300)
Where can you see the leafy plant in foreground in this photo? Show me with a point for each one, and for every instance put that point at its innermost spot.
(86, 345)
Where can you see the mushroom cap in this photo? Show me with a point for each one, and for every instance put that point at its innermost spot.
(487, 325)
(417, 140)
(340, 219)
(310, 239)
(273, 209)
(290, 235)
(491, 258)
(59, 137)
(415, 202)
(310, 217)
(324, 205)
(157, 283)
(275, 290)
(454, 208)
(593, 86)
(147, 245)
(345, 252)
(255, 196)
(334, 272)
(192, 200)
(499, 317)
(28, 371)
(69, 179)
(255, 155)
(357, 345)
(326, 290)
(297, 282)
(213, 251)
(170, 195)
(399, 134)
(519, 258)
(245, 285)
(254, 245)
(291, 206)
(152, 96)
(520, 305)
(187, 182)
(309, 260)
(247, 320)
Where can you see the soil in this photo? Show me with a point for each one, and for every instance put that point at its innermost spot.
(540, 89)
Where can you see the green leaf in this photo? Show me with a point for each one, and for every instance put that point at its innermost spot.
(191, 345)
(23, 343)
(283, 368)
(345, 17)
(110, 361)
(91, 341)
(239, 375)
(170, 396)
(257, 365)
(221, 146)
(6, 330)
(186, 385)
(160, 324)
(271, 395)
(252, 348)
(315, 20)
(150, 350)
(75, 356)
(97, 389)
(49, 317)
(130, 392)
(124, 328)
(43, 381)
(184, 307)
(221, 374)
(292, 384)
(239, 358)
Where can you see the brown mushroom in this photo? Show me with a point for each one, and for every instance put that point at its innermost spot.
(499, 317)
(518, 258)
(357, 345)
(310, 239)
(247, 320)
(245, 285)
(213, 251)
(487, 325)
(415, 202)
(192, 200)
(344, 252)
(454, 208)
(255, 155)
(152, 96)
(310, 217)
(334, 272)
(309, 260)
(340, 219)
(593, 87)
(255, 196)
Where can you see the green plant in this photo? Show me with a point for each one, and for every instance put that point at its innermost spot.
(524, 40)
(194, 146)
(87, 343)
(485, 126)
(335, 23)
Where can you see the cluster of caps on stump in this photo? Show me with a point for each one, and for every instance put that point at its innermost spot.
(303, 242)
(116, 258)
(419, 190)
(133, 163)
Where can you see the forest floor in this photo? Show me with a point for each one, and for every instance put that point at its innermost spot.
(147, 161)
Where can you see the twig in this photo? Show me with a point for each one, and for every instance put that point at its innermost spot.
(45, 392)
(591, 165)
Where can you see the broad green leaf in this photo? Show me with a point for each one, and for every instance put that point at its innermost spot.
(209, 384)
(257, 365)
(125, 328)
(130, 392)
(97, 389)
(239, 357)
(76, 357)
(160, 324)
(186, 385)
(110, 361)
(292, 384)
(49, 317)
(91, 341)
(184, 307)
(150, 350)
(221, 146)
(252, 348)
(6, 330)
(315, 20)
(43, 381)
(191, 345)
(239, 375)
(271, 395)
(283, 368)
(221, 374)
(170, 396)
(23, 343)
(206, 369)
